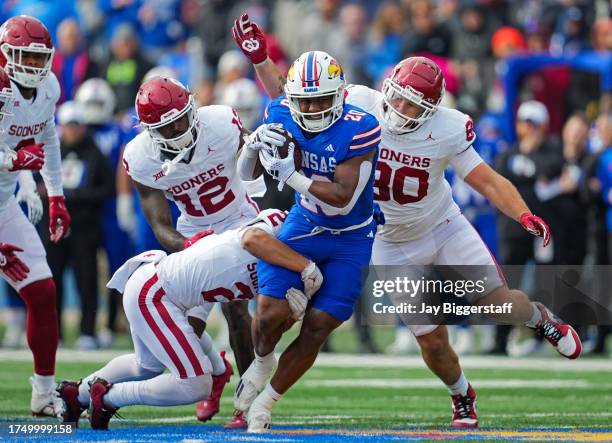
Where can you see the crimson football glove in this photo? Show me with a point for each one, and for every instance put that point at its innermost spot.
(250, 40)
(536, 226)
(10, 264)
(31, 157)
(59, 218)
(190, 241)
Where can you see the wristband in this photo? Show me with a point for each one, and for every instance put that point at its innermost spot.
(299, 182)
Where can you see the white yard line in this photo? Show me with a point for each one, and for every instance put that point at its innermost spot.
(365, 361)
(435, 383)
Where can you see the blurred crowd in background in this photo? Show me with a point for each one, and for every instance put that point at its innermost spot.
(535, 75)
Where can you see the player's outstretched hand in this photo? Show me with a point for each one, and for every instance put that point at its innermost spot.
(536, 226)
(312, 279)
(59, 218)
(190, 241)
(30, 157)
(250, 40)
(298, 301)
(10, 264)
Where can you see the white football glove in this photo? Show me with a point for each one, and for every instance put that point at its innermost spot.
(298, 301)
(265, 138)
(126, 215)
(28, 195)
(312, 279)
(279, 168)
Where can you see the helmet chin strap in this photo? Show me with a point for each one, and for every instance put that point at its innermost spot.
(169, 166)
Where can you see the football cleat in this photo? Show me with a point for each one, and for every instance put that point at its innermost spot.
(464, 409)
(206, 409)
(68, 392)
(238, 421)
(100, 414)
(250, 385)
(259, 419)
(44, 403)
(562, 336)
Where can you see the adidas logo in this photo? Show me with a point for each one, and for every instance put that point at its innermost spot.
(329, 148)
(371, 235)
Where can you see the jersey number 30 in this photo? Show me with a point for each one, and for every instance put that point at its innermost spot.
(390, 184)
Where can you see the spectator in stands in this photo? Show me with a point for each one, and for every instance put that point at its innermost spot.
(232, 66)
(534, 156)
(473, 58)
(426, 36)
(117, 13)
(71, 63)
(569, 220)
(351, 45)
(385, 41)
(126, 66)
(604, 170)
(320, 27)
(570, 35)
(161, 26)
(87, 180)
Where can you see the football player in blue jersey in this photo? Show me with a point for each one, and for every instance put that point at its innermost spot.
(330, 222)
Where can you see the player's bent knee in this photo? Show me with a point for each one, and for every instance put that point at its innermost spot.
(434, 343)
(195, 389)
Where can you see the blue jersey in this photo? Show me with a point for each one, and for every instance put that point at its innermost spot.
(354, 134)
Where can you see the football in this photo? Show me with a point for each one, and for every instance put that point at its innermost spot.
(284, 150)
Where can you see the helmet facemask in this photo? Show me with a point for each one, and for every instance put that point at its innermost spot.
(22, 74)
(320, 120)
(182, 143)
(399, 123)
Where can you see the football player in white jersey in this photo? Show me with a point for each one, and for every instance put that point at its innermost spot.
(158, 290)
(25, 54)
(423, 224)
(188, 156)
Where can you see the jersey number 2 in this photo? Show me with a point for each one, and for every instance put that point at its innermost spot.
(207, 192)
(244, 293)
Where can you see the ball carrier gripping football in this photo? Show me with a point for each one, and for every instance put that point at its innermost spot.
(414, 124)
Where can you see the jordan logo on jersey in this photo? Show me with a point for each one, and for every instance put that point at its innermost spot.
(429, 137)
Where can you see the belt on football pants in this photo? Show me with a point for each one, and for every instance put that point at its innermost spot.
(318, 229)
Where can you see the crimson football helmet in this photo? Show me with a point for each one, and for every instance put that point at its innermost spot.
(418, 80)
(161, 101)
(21, 35)
(6, 95)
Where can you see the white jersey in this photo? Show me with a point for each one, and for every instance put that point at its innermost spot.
(207, 190)
(216, 268)
(33, 122)
(410, 185)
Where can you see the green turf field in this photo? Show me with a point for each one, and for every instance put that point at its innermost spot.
(366, 396)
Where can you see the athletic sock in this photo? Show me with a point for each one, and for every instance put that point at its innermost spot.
(460, 386)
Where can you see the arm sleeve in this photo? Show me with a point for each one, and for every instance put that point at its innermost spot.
(465, 162)
(51, 171)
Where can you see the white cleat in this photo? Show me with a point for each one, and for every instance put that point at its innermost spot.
(250, 385)
(45, 403)
(259, 419)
